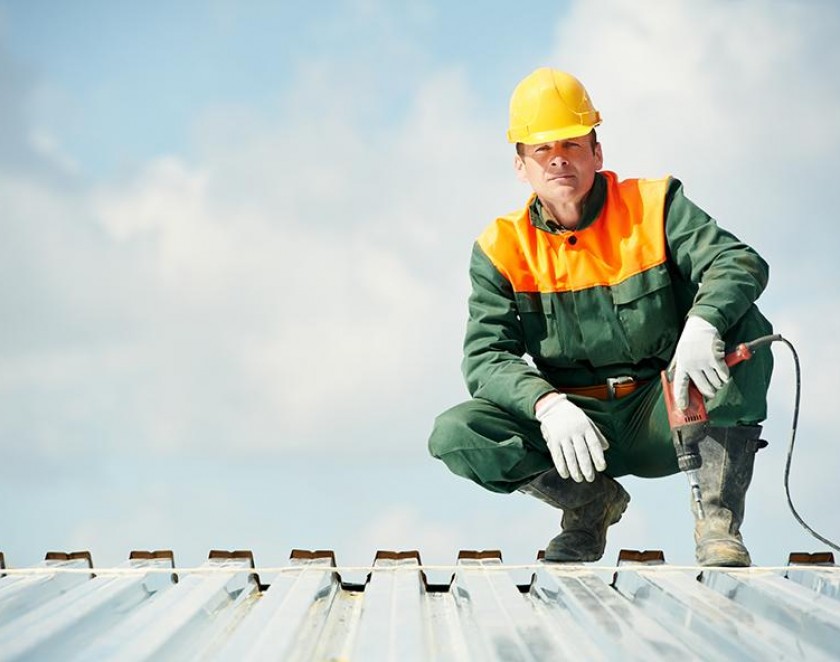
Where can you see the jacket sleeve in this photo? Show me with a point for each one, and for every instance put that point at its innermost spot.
(728, 276)
(493, 363)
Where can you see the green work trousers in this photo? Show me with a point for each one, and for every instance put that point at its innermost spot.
(501, 452)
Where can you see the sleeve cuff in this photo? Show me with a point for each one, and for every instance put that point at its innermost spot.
(712, 316)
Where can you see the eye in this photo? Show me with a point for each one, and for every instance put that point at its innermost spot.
(542, 148)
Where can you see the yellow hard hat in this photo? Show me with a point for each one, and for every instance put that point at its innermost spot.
(550, 105)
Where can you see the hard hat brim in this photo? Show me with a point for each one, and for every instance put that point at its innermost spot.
(567, 132)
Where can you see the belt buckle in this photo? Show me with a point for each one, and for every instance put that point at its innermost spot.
(612, 382)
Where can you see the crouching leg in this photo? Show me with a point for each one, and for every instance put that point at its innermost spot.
(728, 456)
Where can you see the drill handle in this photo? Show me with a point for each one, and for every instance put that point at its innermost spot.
(693, 414)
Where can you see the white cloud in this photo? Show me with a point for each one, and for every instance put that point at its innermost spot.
(682, 75)
(281, 288)
(735, 98)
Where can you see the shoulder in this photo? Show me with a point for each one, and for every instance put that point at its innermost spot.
(505, 229)
(615, 185)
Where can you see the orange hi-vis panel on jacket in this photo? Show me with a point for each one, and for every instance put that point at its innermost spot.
(627, 238)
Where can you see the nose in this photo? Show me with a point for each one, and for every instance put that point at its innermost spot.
(558, 156)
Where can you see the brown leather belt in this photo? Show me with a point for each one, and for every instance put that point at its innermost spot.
(615, 388)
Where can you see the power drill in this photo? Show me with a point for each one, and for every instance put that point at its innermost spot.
(687, 424)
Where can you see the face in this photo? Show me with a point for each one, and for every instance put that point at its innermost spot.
(561, 172)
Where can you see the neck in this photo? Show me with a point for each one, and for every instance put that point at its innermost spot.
(567, 214)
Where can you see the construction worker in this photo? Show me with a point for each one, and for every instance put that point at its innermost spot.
(603, 283)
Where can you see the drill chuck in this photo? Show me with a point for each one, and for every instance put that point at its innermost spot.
(689, 461)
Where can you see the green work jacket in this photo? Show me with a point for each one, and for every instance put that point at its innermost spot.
(580, 337)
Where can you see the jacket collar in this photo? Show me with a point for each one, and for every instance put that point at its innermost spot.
(541, 218)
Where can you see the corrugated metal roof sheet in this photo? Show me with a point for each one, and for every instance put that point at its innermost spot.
(229, 610)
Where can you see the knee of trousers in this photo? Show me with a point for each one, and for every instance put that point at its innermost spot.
(481, 442)
(475, 425)
(743, 400)
(448, 428)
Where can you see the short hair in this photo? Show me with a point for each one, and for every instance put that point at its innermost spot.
(520, 147)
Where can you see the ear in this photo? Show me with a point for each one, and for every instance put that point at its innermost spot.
(599, 157)
(519, 168)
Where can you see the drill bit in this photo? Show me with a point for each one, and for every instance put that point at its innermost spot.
(694, 484)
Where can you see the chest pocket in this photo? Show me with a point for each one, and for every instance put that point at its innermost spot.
(566, 329)
(602, 326)
(645, 307)
(538, 327)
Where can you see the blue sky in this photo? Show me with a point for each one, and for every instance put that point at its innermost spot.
(136, 78)
(235, 248)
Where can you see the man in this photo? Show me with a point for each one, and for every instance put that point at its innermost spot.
(604, 283)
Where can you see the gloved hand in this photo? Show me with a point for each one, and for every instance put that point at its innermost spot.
(576, 445)
(699, 358)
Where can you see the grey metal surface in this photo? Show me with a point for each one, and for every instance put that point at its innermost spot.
(148, 609)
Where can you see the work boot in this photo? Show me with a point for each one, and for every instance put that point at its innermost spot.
(728, 455)
(588, 510)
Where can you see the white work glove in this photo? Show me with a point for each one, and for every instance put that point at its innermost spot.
(698, 358)
(576, 445)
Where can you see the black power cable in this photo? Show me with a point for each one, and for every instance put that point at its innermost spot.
(790, 450)
(766, 340)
